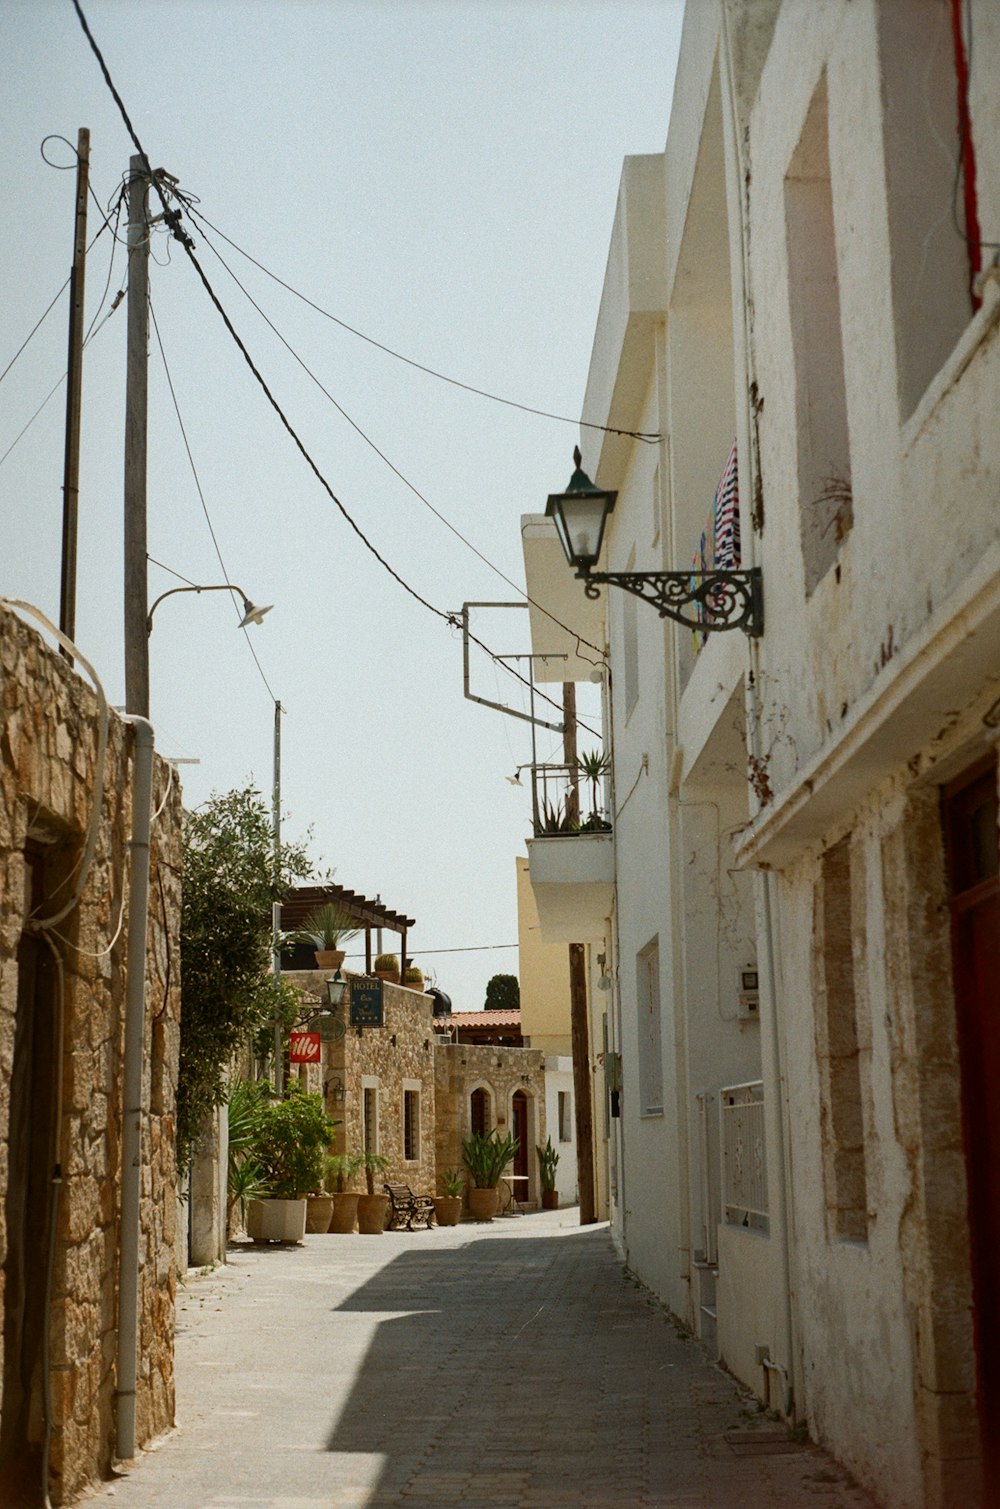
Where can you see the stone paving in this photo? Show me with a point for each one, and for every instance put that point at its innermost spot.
(512, 1364)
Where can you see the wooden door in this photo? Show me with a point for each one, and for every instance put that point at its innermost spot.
(523, 1145)
(970, 813)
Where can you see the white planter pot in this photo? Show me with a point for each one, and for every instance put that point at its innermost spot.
(276, 1220)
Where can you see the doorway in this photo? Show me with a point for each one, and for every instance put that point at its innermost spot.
(970, 822)
(521, 1128)
(31, 1152)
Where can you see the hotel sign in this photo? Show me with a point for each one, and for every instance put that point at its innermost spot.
(366, 1003)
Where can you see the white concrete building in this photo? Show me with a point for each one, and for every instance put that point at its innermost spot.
(811, 1185)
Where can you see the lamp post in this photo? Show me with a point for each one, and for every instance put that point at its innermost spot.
(717, 600)
(251, 613)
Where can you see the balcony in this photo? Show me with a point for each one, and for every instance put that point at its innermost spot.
(571, 858)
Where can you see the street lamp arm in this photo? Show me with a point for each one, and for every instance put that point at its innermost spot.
(718, 599)
(251, 613)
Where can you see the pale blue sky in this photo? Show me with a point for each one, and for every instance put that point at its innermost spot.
(442, 176)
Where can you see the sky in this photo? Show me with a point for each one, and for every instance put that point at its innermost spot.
(440, 175)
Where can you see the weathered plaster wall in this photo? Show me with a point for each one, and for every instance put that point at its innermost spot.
(543, 975)
(47, 770)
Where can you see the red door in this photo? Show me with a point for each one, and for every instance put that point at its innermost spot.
(970, 810)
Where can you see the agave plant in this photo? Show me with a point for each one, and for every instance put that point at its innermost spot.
(326, 927)
(487, 1155)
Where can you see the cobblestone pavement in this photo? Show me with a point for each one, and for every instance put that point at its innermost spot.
(511, 1364)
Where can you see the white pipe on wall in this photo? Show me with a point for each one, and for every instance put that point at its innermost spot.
(135, 1024)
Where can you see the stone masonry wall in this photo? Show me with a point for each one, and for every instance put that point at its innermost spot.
(401, 1050)
(48, 745)
(460, 1068)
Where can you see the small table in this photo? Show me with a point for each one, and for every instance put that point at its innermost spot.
(511, 1206)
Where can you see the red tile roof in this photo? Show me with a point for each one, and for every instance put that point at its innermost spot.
(478, 1019)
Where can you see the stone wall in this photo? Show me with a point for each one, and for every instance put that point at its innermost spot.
(68, 985)
(461, 1068)
(391, 1058)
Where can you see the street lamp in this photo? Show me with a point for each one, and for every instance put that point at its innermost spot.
(718, 599)
(251, 613)
(336, 989)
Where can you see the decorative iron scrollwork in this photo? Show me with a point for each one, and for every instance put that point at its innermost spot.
(718, 600)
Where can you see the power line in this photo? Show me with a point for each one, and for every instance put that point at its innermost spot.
(201, 494)
(647, 437)
(172, 219)
(580, 641)
(475, 948)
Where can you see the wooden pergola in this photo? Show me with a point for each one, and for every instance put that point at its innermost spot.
(366, 914)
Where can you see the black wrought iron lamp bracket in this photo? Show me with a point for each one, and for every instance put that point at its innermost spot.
(719, 600)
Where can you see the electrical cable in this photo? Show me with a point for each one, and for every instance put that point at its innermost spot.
(48, 311)
(395, 469)
(647, 438)
(172, 218)
(201, 494)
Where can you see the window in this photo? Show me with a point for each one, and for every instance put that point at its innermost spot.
(370, 1103)
(411, 1125)
(930, 266)
(630, 646)
(650, 1053)
(838, 1051)
(565, 1118)
(480, 1111)
(824, 466)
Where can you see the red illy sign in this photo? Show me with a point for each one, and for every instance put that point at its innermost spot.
(305, 1048)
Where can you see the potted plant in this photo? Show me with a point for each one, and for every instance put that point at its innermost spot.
(548, 1160)
(387, 968)
(245, 1175)
(486, 1155)
(341, 1169)
(413, 977)
(326, 928)
(594, 764)
(291, 1137)
(372, 1208)
(448, 1206)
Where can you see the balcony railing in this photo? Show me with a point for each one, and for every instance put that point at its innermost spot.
(744, 1156)
(564, 802)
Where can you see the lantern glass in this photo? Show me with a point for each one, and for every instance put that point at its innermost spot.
(580, 514)
(336, 989)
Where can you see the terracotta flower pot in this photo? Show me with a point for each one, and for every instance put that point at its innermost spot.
(390, 976)
(447, 1209)
(550, 1199)
(330, 958)
(372, 1211)
(345, 1213)
(483, 1203)
(319, 1210)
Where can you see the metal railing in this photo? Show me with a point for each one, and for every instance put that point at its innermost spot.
(707, 1132)
(564, 802)
(744, 1156)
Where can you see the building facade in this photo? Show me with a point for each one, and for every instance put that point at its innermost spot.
(800, 310)
(67, 768)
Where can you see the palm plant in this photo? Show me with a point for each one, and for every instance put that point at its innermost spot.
(326, 927)
(594, 764)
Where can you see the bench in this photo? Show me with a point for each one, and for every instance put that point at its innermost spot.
(407, 1209)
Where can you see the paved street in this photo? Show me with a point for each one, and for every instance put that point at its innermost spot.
(511, 1364)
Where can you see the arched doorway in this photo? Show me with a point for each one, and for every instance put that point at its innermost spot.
(521, 1119)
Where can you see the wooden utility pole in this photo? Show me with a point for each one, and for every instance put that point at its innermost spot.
(74, 388)
(136, 636)
(578, 1006)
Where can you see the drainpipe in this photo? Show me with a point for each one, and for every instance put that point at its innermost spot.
(135, 1021)
(772, 1046)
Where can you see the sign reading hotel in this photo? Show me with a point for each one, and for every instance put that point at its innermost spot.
(366, 1003)
(304, 1048)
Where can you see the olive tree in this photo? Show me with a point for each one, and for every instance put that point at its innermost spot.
(227, 991)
